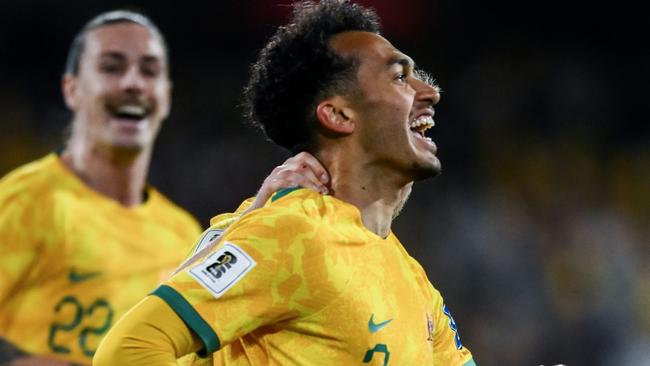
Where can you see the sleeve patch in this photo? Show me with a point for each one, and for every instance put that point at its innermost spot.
(208, 237)
(222, 269)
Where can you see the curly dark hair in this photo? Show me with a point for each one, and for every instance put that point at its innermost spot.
(297, 68)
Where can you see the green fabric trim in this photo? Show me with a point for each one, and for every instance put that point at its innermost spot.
(189, 315)
(283, 192)
(470, 362)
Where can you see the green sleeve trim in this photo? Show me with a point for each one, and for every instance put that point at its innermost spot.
(470, 362)
(283, 192)
(189, 315)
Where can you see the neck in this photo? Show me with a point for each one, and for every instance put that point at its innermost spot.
(117, 174)
(377, 192)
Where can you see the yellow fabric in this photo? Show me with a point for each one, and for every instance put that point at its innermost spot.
(224, 220)
(320, 290)
(218, 225)
(149, 334)
(74, 261)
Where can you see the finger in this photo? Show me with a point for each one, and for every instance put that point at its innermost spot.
(305, 159)
(307, 180)
(305, 175)
(290, 168)
(290, 179)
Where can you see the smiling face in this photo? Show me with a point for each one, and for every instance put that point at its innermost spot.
(121, 93)
(394, 106)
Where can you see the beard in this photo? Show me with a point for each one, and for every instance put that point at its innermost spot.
(430, 170)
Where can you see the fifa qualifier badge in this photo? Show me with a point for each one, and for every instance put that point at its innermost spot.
(222, 269)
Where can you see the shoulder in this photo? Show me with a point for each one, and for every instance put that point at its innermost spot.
(37, 173)
(171, 213)
(31, 183)
(288, 213)
(28, 212)
(283, 247)
(286, 229)
(300, 203)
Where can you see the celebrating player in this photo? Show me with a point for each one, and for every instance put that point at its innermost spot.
(311, 279)
(82, 236)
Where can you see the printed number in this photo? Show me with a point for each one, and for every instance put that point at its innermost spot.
(80, 312)
(452, 325)
(54, 328)
(98, 305)
(379, 348)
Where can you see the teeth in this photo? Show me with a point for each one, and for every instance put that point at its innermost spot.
(422, 123)
(131, 109)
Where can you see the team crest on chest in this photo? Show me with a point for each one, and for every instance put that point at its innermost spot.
(222, 269)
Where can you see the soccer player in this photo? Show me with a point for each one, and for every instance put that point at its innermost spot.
(311, 279)
(82, 236)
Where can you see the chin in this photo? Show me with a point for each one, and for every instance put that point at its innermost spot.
(137, 141)
(128, 146)
(427, 170)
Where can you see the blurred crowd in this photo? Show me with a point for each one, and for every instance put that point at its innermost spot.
(537, 233)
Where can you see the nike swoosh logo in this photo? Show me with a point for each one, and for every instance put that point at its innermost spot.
(76, 277)
(373, 328)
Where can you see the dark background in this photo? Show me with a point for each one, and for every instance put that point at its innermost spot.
(536, 233)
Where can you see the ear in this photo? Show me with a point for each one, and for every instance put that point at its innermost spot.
(335, 115)
(69, 89)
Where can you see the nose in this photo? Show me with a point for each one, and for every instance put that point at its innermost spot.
(132, 80)
(426, 93)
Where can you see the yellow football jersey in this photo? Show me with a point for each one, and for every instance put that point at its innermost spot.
(74, 261)
(303, 282)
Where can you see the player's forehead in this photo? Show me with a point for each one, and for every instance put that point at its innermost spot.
(124, 38)
(369, 48)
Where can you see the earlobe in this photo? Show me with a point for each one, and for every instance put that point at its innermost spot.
(68, 86)
(335, 116)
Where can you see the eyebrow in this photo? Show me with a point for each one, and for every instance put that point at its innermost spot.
(121, 55)
(151, 59)
(112, 54)
(400, 60)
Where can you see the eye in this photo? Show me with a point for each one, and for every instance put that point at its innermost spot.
(151, 67)
(401, 77)
(110, 68)
(151, 71)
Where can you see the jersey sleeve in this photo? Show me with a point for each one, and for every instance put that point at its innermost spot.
(447, 347)
(265, 269)
(149, 334)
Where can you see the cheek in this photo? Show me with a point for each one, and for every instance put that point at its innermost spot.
(94, 89)
(405, 102)
(162, 95)
(398, 103)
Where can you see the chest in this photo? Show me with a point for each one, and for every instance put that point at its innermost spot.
(93, 255)
(383, 314)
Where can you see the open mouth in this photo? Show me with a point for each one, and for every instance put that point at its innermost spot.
(421, 124)
(129, 112)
